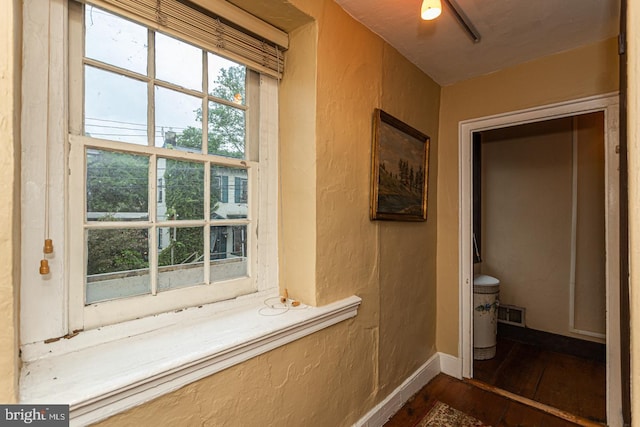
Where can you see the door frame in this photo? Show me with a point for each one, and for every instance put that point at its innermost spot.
(609, 104)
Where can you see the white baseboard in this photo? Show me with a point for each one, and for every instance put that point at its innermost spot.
(384, 410)
(451, 365)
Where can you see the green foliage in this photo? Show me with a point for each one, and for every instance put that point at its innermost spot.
(186, 246)
(184, 184)
(117, 182)
(226, 132)
(117, 250)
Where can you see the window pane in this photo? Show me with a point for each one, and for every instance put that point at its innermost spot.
(227, 79)
(114, 40)
(226, 130)
(229, 192)
(115, 107)
(228, 252)
(178, 62)
(117, 186)
(178, 120)
(117, 264)
(183, 196)
(180, 257)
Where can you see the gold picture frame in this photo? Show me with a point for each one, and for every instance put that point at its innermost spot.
(399, 170)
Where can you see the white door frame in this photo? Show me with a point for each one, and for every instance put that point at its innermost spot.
(609, 104)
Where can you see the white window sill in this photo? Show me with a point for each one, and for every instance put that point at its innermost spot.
(102, 372)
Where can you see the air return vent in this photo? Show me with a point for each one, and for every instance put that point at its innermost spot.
(511, 315)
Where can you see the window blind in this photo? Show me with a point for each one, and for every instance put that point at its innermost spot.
(179, 19)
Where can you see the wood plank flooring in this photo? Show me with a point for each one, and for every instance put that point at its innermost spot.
(488, 407)
(503, 387)
(573, 384)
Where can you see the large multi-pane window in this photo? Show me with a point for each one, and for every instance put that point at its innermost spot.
(163, 162)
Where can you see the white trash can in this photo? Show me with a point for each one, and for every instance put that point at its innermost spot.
(486, 291)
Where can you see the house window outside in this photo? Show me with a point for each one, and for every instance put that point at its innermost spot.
(241, 191)
(156, 111)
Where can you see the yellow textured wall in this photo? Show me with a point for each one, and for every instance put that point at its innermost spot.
(578, 73)
(297, 99)
(9, 193)
(408, 250)
(337, 73)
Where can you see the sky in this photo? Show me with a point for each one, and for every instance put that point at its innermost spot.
(116, 105)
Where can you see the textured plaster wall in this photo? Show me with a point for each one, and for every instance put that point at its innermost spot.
(297, 208)
(578, 73)
(319, 380)
(408, 250)
(9, 192)
(337, 73)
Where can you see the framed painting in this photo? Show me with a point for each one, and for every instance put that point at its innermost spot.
(399, 170)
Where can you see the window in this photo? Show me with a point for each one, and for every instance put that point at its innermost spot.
(159, 126)
(128, 363)
(241, 190)
(160, 190)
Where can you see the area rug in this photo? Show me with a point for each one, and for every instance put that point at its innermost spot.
(443, 415)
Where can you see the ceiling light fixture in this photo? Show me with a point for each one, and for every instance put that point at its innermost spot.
(431, 9)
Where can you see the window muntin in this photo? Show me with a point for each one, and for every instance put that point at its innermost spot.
(194, 139)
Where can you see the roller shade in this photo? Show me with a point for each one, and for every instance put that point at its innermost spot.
(189, 22)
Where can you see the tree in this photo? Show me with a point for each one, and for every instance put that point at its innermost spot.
(116, 182)
(226, 130)
(184, 186)
(117, 250)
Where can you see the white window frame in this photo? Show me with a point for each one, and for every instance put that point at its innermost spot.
(53, 305)
(108, 312)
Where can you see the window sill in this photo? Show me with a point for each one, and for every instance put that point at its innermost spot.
(101, 378)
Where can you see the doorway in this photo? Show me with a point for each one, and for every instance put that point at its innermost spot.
(608, 106)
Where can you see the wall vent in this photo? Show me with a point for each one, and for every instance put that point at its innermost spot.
(511, 315)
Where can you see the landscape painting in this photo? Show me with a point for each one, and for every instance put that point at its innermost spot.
(400, 170)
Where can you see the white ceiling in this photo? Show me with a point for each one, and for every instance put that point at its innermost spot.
(512, 31)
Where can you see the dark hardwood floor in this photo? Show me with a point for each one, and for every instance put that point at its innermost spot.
(570, 383)
(524, 385)
(488, 407)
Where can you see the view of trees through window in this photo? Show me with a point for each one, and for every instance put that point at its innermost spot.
(117, 182)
